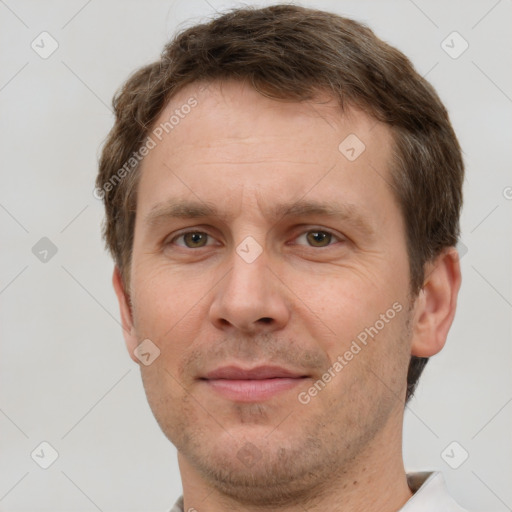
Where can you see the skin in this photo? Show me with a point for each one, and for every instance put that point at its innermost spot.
(299, 304)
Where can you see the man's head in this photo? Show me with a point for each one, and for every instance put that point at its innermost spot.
(282, 188)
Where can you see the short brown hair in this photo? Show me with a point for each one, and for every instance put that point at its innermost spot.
(293, 53)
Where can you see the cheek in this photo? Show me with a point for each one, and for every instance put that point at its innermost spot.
(166, 303)
(164, 397)
(345, 302)
(370, 369)
(360, 324)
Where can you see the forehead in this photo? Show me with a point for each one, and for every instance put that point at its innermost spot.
(233, 111)
(222, 137)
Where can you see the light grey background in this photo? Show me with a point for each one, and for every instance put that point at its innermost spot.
(65, 376)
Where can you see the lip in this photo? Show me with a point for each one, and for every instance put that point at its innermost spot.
(253, 384)
(257, 373)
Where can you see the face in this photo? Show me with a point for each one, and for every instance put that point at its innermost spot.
(270, 269)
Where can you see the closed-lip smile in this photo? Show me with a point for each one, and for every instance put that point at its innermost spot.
(252, 384)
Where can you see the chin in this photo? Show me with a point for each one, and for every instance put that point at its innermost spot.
(264, 474)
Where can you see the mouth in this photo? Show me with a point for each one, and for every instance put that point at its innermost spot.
(252, 385)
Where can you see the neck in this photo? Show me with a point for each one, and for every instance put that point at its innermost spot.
(375, 482)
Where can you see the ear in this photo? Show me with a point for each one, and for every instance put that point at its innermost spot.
(436, 303)
(130, 337)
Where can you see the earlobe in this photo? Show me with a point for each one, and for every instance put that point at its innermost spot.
(436, 304)
(130, 337)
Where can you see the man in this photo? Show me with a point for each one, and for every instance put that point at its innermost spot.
(283, 193)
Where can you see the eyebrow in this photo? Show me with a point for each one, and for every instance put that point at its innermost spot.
(186, 209)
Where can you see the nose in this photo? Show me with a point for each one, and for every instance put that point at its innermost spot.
(250, 298)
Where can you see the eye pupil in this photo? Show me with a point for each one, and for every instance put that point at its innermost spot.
(319, 237)
(194, 239)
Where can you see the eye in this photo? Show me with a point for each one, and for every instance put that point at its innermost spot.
(192, 239)
(197, 239)
(318, 238)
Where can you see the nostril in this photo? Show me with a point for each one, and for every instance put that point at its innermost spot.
(266, 320)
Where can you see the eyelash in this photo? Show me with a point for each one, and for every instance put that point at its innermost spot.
(326, 231)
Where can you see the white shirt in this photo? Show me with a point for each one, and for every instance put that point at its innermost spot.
(430, 495)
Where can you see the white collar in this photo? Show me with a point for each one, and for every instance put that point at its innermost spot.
(430, 493)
